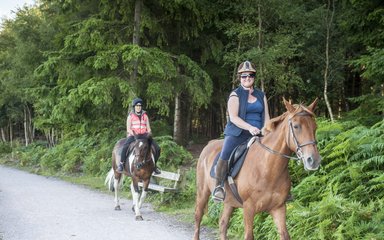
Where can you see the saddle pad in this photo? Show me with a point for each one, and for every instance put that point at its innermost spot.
(236, 159)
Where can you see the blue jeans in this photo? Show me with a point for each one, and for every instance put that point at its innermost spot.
(231, 142)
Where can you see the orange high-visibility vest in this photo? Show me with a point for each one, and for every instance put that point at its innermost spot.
(139, 123)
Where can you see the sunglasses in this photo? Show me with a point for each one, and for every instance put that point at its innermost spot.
(245, 75)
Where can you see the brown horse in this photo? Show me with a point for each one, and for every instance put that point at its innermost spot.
(263, 182)
(139, 166)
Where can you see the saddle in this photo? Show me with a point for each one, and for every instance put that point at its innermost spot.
(236, 159)
(235, 163)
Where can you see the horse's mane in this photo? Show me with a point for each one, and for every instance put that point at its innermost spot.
(143, 136)
(273, 123)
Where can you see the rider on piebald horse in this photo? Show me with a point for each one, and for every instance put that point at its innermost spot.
(248, 111)
(137, 123)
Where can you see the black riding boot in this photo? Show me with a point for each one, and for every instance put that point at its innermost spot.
(157, 156)
(156, 170)
(218, 194)
(120, 167)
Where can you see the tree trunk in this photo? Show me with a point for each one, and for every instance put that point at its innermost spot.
(30, 127)
(51, 137)
(177, 131)
(260, 45)
(25, 127)
(10, 133)
(329, 20)
(234, 75)
(136, 34)
(3, 135)
(188, 122)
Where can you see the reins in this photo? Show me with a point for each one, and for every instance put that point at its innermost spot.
(299, 152)
(275, 152)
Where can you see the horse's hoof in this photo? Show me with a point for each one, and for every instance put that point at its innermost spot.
(139, 218)
(117, 208)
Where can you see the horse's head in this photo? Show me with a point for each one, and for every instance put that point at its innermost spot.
(142, 150)
(301, 134)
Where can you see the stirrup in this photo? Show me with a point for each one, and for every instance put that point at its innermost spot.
(290, 198)
(120, 168)
(157, 171)
(217, 198)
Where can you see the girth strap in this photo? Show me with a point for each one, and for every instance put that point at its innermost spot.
(234, 190)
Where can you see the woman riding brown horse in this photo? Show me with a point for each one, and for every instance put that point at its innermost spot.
(139, 167)
(263, 182)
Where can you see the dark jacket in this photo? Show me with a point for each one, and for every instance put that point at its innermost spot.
(231, 129)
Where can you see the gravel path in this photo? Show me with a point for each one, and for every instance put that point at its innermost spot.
(34, 207)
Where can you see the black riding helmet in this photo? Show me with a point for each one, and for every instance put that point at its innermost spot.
(136, 101)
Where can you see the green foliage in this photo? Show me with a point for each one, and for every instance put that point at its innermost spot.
(79, 155)
(369, 110)
(213, 215)
(5, 148)
(52, 160)
(71, 63)
(161, 128)
(30, 156)
(341, 200)
(172, 155)
(335, 217)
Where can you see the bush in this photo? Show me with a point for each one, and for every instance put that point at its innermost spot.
(97, 161)
(172, 155)
(161, 128)
(5, 148)
(31, 155)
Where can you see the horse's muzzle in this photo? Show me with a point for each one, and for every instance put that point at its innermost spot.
(311, 163)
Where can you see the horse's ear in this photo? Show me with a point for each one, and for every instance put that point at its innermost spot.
(288, 105)
(313, 105)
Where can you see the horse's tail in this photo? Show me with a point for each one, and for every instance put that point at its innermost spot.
(109, 180)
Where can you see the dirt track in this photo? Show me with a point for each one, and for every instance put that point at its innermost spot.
(34, 207)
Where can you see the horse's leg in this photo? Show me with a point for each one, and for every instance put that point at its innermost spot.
(202, 198)
(135, 198)
(116, 181)
(224, 221)
(249, 215)
(144, 192)
(279, 217)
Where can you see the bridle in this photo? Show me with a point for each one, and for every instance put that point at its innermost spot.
(299, 151)
(139, 165)
(291, 133)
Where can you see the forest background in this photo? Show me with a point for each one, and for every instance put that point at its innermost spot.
(69, 70)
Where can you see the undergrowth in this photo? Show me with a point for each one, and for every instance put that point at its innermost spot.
(342, 200)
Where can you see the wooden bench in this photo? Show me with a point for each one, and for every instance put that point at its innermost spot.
(164, 182)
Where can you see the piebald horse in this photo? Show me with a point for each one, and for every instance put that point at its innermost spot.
(263, 182)
(139, 166)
